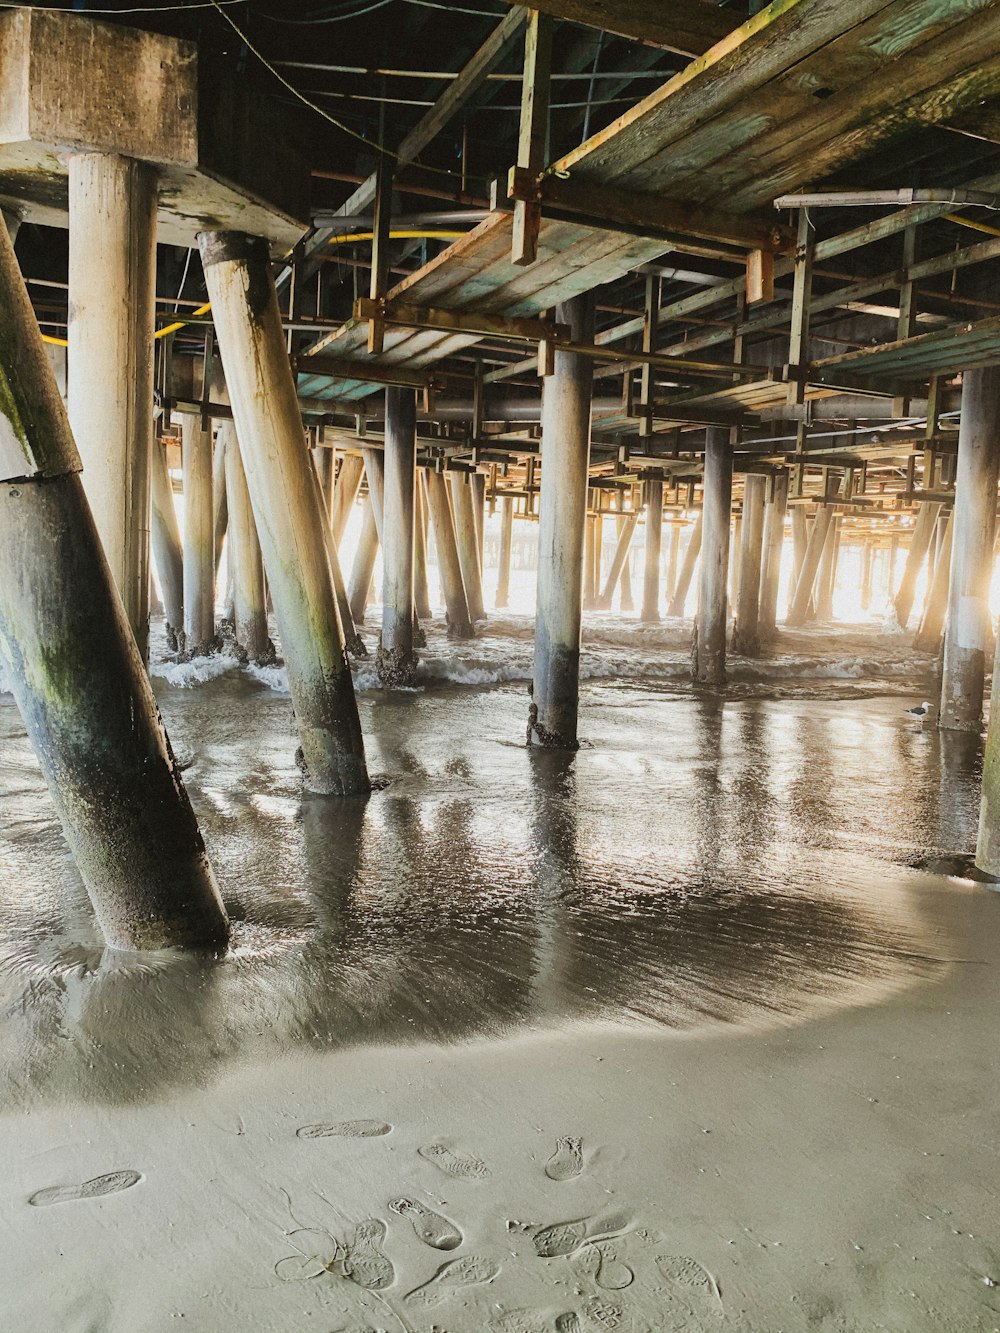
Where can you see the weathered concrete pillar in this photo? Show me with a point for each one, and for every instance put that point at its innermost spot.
(323, 461)
(112, 284)
(735, 555)
(464, 509)
(245, 560)
(345, 494)
(928, 637)
(12, 222)
(746, 629)
(972, 551)
(167, 550)
(619, 560)
(774, 545)
(363, 568)
(199, 538)
(800, 543)
(890, 569)
(867, 553)
(352, 641)
(653, 544)
(375, 477)
(421, 590)
(220, 499)
(673, 554)
(439, 509)
(289, 523)
(920, 543)
(827, 576)
(395, 660)
(683, 586)
(589, 564)
(988, 841)
(76, 673)
(566, 406)
(627, 601)
(799, 605)
(506, 541)
(478, 483)
(709, 654)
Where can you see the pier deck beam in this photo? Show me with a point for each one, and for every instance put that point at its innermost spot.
(290, 525)
(566, 408)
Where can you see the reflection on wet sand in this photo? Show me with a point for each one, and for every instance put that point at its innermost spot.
(673, 875)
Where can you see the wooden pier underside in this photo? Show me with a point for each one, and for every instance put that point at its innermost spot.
(798, 92)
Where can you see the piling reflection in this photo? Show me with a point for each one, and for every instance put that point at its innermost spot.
(672, 874)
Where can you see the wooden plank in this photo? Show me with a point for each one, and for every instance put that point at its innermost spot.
(689, 27)
(730, 73)
(533, 131)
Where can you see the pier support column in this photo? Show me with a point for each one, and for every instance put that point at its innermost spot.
(421, 589)
(345, 494)
(654, 542)
(774, 545)
(800, 543)
(12, 222)
(693, 550)
(77, 675)
(928, 637)
(464, 508)
(619, 560)
(673, 553)
(395, 660)
(746, 630)
(988, 841)
(867, 553)
(709, 655)
(506, 541)
(289, 522)
(920, 544)
(220, 498)
(827, 578)
(439, 509)
(798, 607)
(245, 560)
(199, 538)
(363, 569)
(972, 551)
(112, 285)
(168, 554)
(562, 516)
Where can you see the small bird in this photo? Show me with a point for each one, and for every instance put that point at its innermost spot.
(921, 710)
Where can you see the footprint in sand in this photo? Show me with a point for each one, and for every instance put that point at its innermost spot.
(518, 1321)
(456, 1275)
(602, 1264)
(563, 1238)
(569, 1323)
(344, 1129)
(567, 1160)
(430, 1227)
(111, 1183)
(692, 1282)
(460, 1166)
(364, 1261)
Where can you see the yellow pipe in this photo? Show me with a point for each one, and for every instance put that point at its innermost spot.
(976, 226)
(334, 240)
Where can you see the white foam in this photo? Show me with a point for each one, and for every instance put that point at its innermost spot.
(197, 671)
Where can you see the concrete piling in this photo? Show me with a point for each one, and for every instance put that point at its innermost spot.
(709, 653)
(77, 674)
(245, 560)
(566, 408)
(746, 630)
(289, 522)
(653, 545)
(168, 553)
(439, 509)
(395, 660)
(199, 537)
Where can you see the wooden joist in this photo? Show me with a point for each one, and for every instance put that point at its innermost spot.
(688, 27)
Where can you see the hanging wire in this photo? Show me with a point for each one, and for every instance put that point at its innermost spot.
(136, 9)
(344, 17)
(333, 120)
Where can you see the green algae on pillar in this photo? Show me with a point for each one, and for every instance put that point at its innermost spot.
(290, 525)
(76, 672)
(562, 516)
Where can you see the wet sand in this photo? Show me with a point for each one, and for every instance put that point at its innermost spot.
(698, 947)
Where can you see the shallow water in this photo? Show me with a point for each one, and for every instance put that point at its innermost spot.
(701, 861)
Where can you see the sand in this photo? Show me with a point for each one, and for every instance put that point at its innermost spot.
(697, 948)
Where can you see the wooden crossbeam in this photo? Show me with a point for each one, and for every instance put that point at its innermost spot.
(533, 132)
(688, 27)
(368, 372)
(477, 323)
(646, 214)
